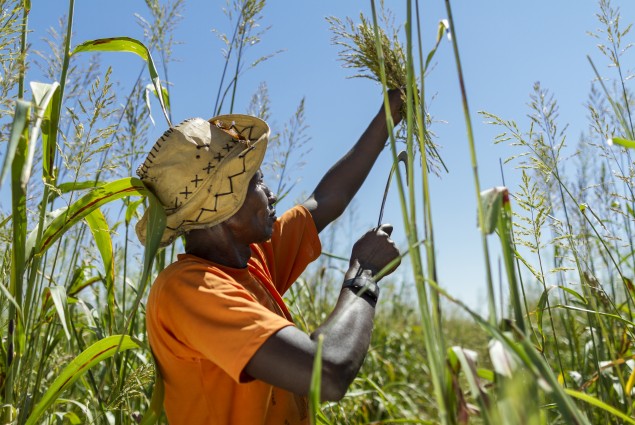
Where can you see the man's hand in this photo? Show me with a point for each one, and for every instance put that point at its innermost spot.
(372, 252)
(396, 99)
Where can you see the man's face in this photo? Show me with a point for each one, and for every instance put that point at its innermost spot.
(254, 220)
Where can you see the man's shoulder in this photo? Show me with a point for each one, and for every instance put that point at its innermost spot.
(298, 215)
(189, 269)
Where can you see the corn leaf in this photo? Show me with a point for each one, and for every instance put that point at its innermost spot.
(540, 308)
(5, 291)
(84, 408)
(505, 234)
(20, 118)
(18, 138)
(531, 358)
(131, 209)
(48, 218)
(70, 187)
(96, 353)
(491, 201)
(127, 44)
(467, 360)
(84, 206)
(101, 233)
(441, 29)
(79, 285)
(155, 227)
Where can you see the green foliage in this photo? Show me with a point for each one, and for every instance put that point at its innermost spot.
(359, 51)
(91, 356)
(72, 284)
(378, 54)
(59, 323)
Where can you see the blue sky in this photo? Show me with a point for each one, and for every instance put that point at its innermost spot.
(505, 47)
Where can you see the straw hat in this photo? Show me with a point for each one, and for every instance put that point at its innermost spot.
(200, 171)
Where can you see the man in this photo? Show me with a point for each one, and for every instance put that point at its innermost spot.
(223, 338)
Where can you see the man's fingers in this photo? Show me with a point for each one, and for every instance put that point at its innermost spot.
(386, 228)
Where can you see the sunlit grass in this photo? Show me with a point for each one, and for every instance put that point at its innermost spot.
(71, 300)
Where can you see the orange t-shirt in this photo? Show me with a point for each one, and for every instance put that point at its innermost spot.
(205, 321)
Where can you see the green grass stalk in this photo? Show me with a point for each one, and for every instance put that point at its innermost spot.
(436, 353)
(420, 115)
(19, 236)
(477, 185)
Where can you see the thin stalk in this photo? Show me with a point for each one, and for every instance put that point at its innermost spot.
(23, 48)
(229, 52)
(45, 196)
(615, 107)
(477, 185)
(435, 353)
(17, 258)
(548, 302)
(236, 73)
(607, 250)
(563, 190)
(518, 270)
(37, 261)
(626, 103)
(167, 86)
(428, 228)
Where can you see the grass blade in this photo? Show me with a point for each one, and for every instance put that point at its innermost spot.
(150, 88)
(99, 351)
(70, 187)
(20, 118)
(600, 404)
(86, 205)
(101, 233)
(130, 45)
(622, 142)
(155, 227)
(316, 383)
(58, 295)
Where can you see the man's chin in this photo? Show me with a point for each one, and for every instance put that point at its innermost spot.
(266, 235)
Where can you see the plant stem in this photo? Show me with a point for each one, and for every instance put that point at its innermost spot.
(477, 185)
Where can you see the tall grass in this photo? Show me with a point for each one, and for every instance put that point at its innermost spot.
(71, 293)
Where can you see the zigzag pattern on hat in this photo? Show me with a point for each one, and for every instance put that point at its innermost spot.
(216, 195)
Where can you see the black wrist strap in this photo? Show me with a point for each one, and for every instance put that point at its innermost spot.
(363, 287)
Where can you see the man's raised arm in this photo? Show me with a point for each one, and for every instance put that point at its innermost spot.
(340, 184)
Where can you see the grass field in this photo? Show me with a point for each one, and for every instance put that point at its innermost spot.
(73, 346)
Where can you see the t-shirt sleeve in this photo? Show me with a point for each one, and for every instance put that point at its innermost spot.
(216, 319)
(294, 245)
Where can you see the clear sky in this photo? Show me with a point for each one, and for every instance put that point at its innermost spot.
(505, 47)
